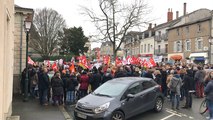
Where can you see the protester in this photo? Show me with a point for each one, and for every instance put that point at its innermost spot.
(57, 89)
(199, 81)
(174, 85)
(95, 81)
(107, 76)
(43, 86)
(209, 95)
(84, 83)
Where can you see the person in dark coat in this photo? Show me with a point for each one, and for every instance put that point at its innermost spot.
(199, 81)
(164, 75)
(148, 74)
(70, 87)
(158, 77)
(136, 72)
(95, 80)
(43, 86)
(188, 88)
(120, 73)
(107, 76)
(209, 95)
(57, 89)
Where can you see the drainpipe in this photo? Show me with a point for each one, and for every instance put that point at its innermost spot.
(21, 38)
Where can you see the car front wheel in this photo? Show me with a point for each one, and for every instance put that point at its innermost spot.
(118, 115)
(158, 104)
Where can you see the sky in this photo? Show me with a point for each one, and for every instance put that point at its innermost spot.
(71, 10)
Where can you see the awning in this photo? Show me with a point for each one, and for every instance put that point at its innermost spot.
(194, 55)
(176, 57)
(199, 58)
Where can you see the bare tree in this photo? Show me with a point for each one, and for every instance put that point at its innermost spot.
(45, 31)
(116, 19)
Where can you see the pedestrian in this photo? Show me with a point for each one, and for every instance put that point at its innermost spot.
(95, 79)
(188, 88)
(209, 95)
(163, 79)
(107, 76)
(70, 86)
(43, 86)
(121, 72)
(84, 83)
(174, 86)
(158, 77)
(57, 89)
(199, 81)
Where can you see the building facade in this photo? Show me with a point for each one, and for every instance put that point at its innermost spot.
(106, 48)
(6, 57)
(147, 42)
(19, 44)
(189, 38)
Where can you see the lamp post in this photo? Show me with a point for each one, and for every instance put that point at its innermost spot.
(210, 54)
(27, 25)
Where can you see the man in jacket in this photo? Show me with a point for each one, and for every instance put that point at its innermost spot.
(199, 81)
(175, 85)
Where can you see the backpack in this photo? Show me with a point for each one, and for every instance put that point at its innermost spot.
(173, 86)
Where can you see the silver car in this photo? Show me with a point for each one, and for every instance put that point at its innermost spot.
(120, 99)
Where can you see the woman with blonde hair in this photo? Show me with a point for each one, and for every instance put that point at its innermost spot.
(158, 77)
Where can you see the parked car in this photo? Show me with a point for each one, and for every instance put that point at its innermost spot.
(120, 99)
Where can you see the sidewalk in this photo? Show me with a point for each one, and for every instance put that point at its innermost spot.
(31, 110)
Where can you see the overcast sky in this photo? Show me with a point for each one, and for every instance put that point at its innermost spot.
(70, 10)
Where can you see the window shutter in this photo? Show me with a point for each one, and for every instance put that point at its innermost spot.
(175, 46)
(196, 45)
(201, 44)
(181, 46)
(185, 46)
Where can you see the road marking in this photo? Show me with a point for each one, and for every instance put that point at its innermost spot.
(167, 117)
(178, 113)
(65, 113)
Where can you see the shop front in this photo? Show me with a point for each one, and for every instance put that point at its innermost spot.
(199, 58)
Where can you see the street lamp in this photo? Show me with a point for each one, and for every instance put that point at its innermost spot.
(210, 55)
(27, 25)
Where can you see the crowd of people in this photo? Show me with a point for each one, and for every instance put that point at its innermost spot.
(178, 82)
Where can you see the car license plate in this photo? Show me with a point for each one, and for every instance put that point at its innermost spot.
(81, 116)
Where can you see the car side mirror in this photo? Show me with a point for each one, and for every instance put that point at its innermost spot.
(130, 96)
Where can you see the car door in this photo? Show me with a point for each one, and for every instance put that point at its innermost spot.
(147, 95)
(131, 106)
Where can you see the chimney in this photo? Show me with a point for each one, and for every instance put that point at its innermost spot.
(155, 25)
(184, 9)
(177, 14)
(150, 26)
(169, 15)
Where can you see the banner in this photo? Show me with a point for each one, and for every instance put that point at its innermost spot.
(30, 61)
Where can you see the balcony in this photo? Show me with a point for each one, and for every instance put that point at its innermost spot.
(162, 37)
(161, 51)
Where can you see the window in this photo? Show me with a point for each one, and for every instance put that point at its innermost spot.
(199, 44)
(166, 48)
(177, 46)
(178, 32)
(134, 88)
(158, 48)
(159, 33)
(188, 45)
(141, 48)
(145, 48)
(187, 29)
(147, 85)
(148, 47)
(199, 27)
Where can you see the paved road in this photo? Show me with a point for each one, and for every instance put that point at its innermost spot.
(167, 113)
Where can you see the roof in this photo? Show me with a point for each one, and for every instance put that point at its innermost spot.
(129, 80)
(171, 23)
(190, 23)
(18, 7)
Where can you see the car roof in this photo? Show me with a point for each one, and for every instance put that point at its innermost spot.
(129, 80)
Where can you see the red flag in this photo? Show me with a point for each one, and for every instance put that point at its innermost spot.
(30, 61)
(118, 61)
(83, 62)
(152, 62)
(54, 66)
(106, 59)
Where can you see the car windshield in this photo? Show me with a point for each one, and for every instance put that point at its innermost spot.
(110, 89)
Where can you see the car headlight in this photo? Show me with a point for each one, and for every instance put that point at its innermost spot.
(102, 108)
